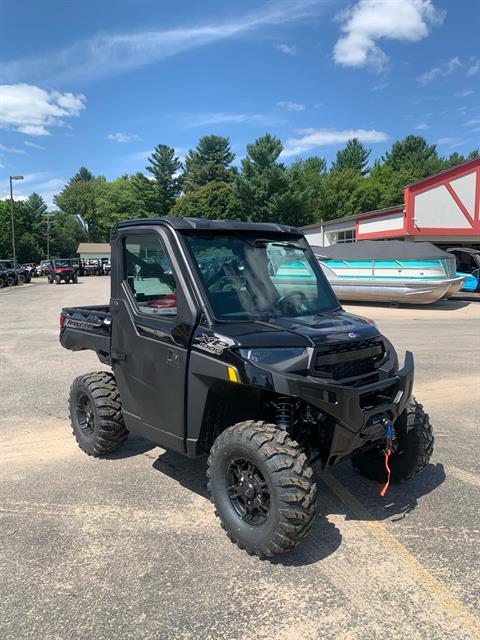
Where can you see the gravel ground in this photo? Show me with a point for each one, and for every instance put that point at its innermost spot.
(128, 547)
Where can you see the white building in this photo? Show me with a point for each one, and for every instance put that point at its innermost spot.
(444, 209)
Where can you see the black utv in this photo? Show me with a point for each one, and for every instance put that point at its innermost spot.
(17, 274)
(225, 339)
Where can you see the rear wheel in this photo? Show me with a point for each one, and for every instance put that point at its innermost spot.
(262, 486)
(22, 278)
(96, 413)
(415, 447)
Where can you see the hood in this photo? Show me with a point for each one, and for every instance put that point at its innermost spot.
(332, 326)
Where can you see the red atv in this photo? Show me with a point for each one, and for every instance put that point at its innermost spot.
(63, 269)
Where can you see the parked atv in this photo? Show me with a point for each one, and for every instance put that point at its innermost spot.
(5, 278)
(213, 355)
(63, 270)
(17, 272)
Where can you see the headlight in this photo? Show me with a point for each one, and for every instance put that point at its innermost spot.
(272, 356)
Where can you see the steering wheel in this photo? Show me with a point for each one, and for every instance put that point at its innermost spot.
(288, 305)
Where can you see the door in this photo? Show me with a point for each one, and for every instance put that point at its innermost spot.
(150, 337)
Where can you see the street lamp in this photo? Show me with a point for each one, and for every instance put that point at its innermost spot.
(12, 178)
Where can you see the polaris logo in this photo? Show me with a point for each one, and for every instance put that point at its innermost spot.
(352, 335)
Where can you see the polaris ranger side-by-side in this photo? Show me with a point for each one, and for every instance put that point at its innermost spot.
(215, 349)
(62, 269)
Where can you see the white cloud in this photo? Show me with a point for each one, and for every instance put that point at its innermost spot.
(445, 69)
(380, 86)
(474, 68)
(203, 119)
(448, 140)
(291, 106)
(371, 20)
(33, 111)
(472, 122)
(289, 49)
(422, 126)
(122, 137)
(12, 150)
(109, 54)
(311, 138)
(34, 145)
(465, 94)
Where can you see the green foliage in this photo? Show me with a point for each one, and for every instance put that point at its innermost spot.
(67, 233)
(82, 175)
(214, 200)
(353, 156)
(414, 156)
(263, 182)
(28, 232)
(166, 181)
(210, 161)
(78, 198)
(307, 182)
(27, 248)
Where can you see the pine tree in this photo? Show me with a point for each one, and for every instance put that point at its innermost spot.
(415, 156)
(210, 161)
(82, 175)
(353, 156)
(263, 184)
(166, 181)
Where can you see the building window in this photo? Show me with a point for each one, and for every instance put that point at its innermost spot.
(347, 235)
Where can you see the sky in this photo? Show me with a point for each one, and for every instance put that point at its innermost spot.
(100, 83)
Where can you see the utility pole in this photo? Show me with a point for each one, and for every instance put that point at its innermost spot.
(48, 220)
(12, 178)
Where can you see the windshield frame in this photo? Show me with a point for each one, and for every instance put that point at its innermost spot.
(282, 238)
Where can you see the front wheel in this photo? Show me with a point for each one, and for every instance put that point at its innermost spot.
(96, 413)
(415, 447)
(262, 486)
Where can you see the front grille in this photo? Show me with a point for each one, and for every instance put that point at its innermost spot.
(346, 360)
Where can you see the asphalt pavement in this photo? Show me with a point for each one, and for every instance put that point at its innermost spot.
(129, 547)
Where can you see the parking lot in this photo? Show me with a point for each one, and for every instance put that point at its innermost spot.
(129, 546)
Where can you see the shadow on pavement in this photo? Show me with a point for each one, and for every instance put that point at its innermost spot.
(324, 538)
(134, 446)
(400, 499)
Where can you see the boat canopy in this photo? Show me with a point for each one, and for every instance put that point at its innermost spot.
(381, 250)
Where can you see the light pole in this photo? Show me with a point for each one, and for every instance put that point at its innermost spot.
(12, 178)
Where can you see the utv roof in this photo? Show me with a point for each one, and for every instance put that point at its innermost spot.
(211, 225)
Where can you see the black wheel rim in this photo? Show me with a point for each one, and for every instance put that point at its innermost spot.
(248, 491)
(86, 418)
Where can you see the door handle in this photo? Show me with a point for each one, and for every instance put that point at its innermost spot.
(173, 357)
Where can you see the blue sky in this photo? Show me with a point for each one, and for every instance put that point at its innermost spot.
(100, 83)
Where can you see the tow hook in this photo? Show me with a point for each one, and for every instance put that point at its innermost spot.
(390, 446)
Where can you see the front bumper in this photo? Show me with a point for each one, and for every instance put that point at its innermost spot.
(354, 411)
(354, 407)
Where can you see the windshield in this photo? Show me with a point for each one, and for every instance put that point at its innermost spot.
(247, 277)
(65, 263)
